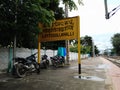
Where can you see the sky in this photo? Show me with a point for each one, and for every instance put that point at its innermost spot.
(94, 24)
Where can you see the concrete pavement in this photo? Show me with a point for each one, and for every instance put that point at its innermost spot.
(93, 77)
(114, 73)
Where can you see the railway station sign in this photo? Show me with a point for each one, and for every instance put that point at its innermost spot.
(64, 29)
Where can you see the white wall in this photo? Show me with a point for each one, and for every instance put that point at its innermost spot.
(24, 52)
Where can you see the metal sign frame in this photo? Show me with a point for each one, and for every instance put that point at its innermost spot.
(64, 29)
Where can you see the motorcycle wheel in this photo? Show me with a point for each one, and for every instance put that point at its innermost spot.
(63, 64)
(47, 61)
(46, 64)
(37, 66)
(20, 70)
(55, 64)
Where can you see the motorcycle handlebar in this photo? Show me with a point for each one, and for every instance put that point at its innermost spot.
(31, 55)
(34, 53)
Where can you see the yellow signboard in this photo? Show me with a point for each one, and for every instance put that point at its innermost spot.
(65, 29)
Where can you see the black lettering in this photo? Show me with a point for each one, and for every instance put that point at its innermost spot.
(66, 22)
(69, 22)
(58, 24)
(61, 29)
(63, 34)
(71, 33)
(70, 27)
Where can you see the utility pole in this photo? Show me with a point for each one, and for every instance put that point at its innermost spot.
(14, 43)
(106, 10)
(108, 15)
(67, 41)
(93, 48)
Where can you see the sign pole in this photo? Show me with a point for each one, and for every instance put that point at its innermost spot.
(79, 61)
(39, 46)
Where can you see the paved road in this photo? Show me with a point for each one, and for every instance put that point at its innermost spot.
(93, 77)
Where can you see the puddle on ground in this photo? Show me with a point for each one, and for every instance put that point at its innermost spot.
(103, 66)
(99, 70)
(73, 67)
(6, 79)
(84, 67)
(93, 78)
(3, 80)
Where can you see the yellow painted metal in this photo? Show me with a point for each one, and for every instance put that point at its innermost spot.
(39, 46)
(64, 29)
(79, 61)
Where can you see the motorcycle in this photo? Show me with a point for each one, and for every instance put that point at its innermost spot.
(22, 66)
(57, 61)
(44, 62)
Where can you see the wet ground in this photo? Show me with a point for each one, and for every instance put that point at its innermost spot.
(93, 77)
(114, 73)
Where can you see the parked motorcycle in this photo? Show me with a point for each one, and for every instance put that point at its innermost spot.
(26, 65)
(44, 62)
(57, 61)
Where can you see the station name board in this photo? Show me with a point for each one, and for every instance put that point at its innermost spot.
(65, 29)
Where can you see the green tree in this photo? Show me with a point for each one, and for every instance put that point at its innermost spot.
(116, 43)
(74, 48)
(86, 46)
(60, 14)
(96, 50)
(71, 4)
(58, 11)
(86, 40)
(21, 18)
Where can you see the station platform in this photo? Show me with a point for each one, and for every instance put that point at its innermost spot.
(96, 74)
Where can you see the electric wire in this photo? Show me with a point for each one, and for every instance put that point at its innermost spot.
(111, 13)
(114, 10)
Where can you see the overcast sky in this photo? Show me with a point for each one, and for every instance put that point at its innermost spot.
(94, 24)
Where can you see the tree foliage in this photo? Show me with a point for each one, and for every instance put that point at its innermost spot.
(59, 14)
(86, 46)
(21, 17)
(116, 43)
(71, 4)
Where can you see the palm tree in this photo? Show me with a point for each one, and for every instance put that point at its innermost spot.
(71, 5)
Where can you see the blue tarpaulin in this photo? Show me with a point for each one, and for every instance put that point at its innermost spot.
(61, 51)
